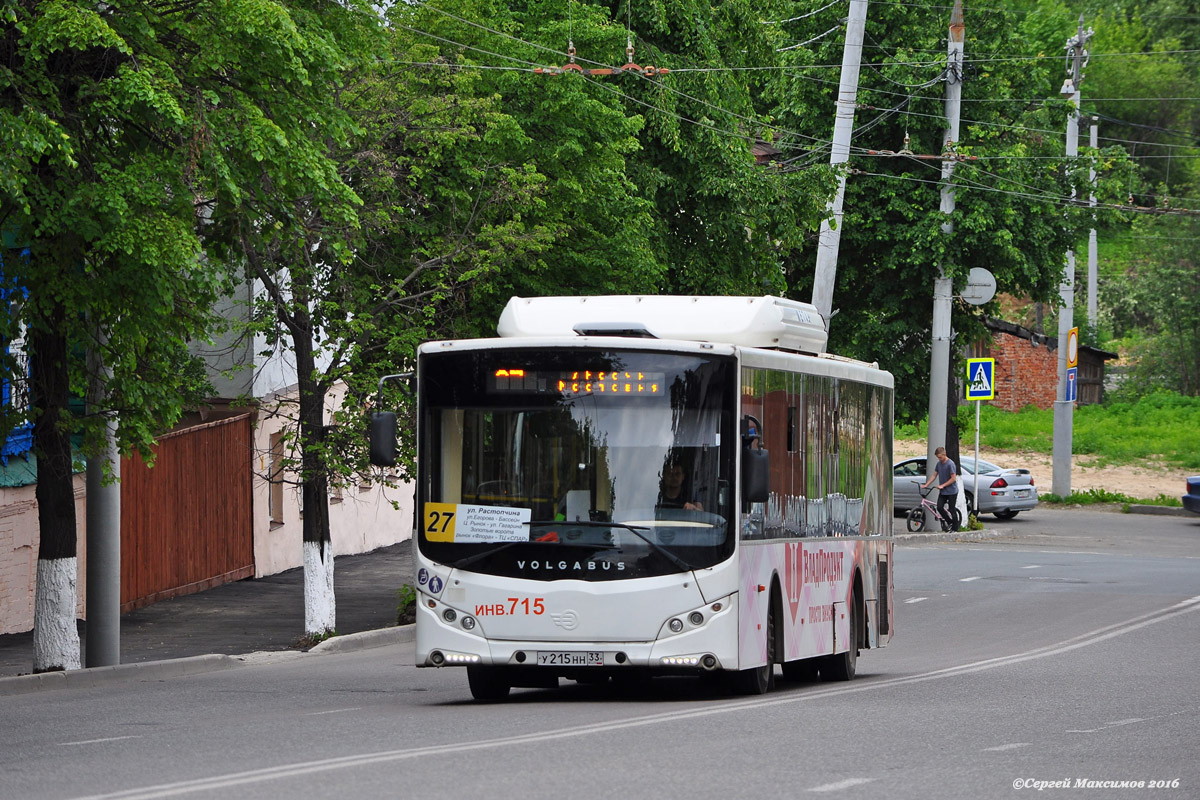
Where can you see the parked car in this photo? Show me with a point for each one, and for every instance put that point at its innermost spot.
(1191, 500)
(1003, 492)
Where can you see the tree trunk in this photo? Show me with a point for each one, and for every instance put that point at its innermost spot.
(320, 608)
(55, 635)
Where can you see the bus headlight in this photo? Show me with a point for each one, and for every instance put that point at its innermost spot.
(449, 615)
(676, 625)
(468, 623)
(696, 618)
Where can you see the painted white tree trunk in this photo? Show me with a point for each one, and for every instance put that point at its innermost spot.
(55, 635)
(319, 605)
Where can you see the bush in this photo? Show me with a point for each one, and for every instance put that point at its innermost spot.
(406, 605)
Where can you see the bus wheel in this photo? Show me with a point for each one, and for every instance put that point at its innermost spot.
(487, 683)
(842, 666)
(760, 680)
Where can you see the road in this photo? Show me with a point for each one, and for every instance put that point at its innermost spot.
(1062, 649)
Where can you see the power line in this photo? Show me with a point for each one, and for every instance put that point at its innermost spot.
(802, 16)
(1055, 200)
(757, 123)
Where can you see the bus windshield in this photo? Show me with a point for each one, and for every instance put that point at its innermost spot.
(572, 463)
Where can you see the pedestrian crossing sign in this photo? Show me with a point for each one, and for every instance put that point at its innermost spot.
(980, 378)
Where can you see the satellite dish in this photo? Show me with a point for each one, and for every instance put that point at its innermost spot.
(980, 288)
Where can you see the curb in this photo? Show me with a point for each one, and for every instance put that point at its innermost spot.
(92, 677)
(366, 639)
(101, 676)
(952, 536)
(1159, 511)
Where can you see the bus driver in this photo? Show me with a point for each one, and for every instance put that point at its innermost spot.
(672, 490)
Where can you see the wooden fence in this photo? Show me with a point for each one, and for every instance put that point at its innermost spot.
(187, 523)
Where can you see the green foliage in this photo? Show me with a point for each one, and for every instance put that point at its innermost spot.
(97, 178)
(406, 605)
(1105, 497)
(1162, 425)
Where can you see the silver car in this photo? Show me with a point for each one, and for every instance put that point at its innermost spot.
(1003, 492)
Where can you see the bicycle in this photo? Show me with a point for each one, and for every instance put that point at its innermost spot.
(916, 516)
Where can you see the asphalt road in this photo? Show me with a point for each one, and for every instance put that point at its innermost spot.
(1059, 649)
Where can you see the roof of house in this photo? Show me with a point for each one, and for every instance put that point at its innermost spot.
(1050, 342)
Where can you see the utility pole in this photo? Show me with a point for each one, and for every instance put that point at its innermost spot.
(1093, 268)
(103, 529)
(843, 126)
(943, 287)
(1077, 58)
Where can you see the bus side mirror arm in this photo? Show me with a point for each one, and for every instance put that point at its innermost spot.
(382, 427)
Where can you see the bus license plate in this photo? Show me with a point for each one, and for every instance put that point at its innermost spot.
(557, 658)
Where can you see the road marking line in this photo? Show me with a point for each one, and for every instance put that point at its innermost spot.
(331, 711)
(972, 578)
(97, 741)
(298, 769)
(915, 599)
(837, 787)
(1003, 747)
(1118, 723)
(1033, 566)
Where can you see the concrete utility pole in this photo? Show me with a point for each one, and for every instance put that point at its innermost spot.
(1093, 267)
(943, 287)
(843, 126)
(103, 605)
(1077, 58)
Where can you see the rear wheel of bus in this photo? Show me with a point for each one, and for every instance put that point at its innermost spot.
(488, 683)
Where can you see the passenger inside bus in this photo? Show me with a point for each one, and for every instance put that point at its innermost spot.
(675, 489)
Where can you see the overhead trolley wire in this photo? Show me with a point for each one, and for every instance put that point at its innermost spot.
(757, 123)
(802, 16)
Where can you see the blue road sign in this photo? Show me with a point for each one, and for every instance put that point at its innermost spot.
(980, 382)
(1072, 384)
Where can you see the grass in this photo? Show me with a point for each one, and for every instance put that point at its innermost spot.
(1159, 428)
(1105, 497)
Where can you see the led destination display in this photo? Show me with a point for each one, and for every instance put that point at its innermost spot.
(632, 383)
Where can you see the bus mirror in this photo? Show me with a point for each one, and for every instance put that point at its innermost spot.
(756, 476)
(383, 438)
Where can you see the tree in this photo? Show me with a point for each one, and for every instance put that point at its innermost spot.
(97, 179)
(651, 182)
(361, 229)
(1158, 300)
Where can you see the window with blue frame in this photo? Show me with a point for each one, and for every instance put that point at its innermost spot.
(14, 394)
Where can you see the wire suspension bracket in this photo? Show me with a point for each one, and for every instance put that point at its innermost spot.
(648, 71)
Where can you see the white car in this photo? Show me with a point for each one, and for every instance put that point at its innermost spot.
(1003, 492)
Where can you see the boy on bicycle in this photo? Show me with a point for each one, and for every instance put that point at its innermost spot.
(945, 473)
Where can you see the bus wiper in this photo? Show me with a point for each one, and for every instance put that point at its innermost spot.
(463, 563)
(636, 531)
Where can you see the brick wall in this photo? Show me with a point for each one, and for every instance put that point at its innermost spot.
(1026, 373)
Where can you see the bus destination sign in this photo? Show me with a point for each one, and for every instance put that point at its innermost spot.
(578, 383)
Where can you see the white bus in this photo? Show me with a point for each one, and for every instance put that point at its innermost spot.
(622, 487)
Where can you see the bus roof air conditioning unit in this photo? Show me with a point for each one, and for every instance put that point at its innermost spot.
(769, 322)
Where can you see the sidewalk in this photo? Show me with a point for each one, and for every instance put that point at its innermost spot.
(246, 616)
